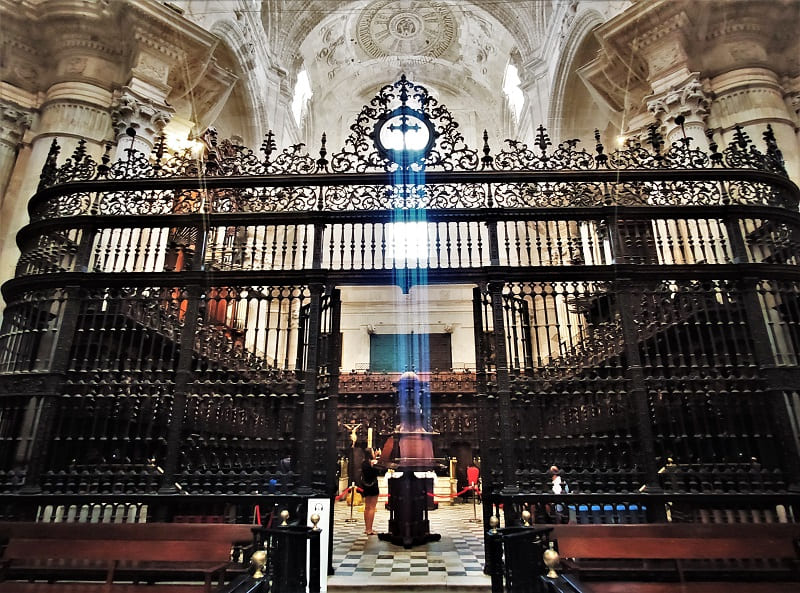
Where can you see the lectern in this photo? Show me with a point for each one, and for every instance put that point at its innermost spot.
(409, 453)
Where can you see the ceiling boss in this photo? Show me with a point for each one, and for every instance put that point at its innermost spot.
(405, 27)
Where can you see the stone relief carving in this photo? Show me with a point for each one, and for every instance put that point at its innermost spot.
(76, 65)
(152, 67)
(395, 27)
(332, 44)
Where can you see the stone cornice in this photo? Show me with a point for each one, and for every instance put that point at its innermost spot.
(667, 26)
(156, 23)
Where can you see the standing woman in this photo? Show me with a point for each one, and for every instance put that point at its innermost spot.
(369, 481)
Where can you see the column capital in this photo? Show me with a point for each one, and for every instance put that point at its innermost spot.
(690, 99)
(131, 111)
(791, 94)
(14, 121)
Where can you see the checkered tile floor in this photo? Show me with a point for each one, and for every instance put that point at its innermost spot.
(457, 557)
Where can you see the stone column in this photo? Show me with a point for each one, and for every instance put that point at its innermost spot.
(753, 97)
(71, 110)
(13, 123)
(792, 99)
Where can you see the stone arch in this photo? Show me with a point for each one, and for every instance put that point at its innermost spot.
(242, 108)
(571, 103)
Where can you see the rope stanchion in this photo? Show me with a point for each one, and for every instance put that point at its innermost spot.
(475, 494)
(352, 497)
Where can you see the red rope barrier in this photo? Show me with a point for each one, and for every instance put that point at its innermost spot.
(475, 489)
(346, 492)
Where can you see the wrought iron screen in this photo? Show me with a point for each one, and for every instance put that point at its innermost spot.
(176, 321)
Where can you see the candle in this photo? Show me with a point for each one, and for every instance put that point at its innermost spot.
(369, 438)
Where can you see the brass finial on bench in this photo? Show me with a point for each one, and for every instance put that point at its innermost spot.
(259, 560)
(493, 523)
(526, 518)
(551, 561)
(284, 518)
(314, 521)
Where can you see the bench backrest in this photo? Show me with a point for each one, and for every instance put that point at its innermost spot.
(673, 548)
(681, 540)
(123, 550)
(127, 531)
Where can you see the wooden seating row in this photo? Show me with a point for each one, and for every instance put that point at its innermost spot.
(685, 557)
(89, 558)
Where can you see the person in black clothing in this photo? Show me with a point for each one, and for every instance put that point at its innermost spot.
(369, 482)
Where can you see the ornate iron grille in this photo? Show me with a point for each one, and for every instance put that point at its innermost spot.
(174, 321)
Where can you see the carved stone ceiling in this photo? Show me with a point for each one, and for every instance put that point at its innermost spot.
(350, 49)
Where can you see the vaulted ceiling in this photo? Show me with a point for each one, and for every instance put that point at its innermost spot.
(459, 50)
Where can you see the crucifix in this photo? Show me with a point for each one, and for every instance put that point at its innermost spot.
(353, 428)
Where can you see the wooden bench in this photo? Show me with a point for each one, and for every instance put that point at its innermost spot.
(696, 558)
(110, 562)
(118, 557)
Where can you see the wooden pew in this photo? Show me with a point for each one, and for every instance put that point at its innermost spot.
(108, 562)
(685, 557)
(118, 557)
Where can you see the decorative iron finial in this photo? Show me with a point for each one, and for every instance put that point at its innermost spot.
(601, 159)
(103, 168)
(80, 151)
(775, 160)
(268, 146)
(542, 138)
(322, 162)
(403, 84)
(740, 137)
(487, 159)
(715, 156)
(159, 149)
(284, 518)
(680, 120)
(655, 139)
(48, 175)
(315, 522)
